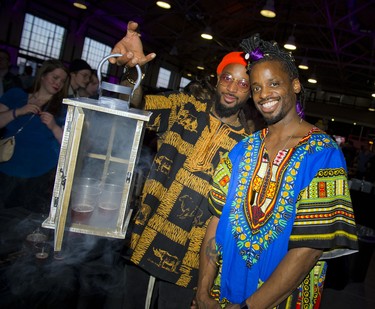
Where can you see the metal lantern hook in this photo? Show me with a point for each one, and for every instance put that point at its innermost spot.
(114, 87)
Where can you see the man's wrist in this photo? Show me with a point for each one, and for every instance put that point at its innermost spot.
(131, 75)
(243, 305)
(14, 113)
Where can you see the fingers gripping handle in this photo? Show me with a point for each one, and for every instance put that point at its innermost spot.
(113, 87)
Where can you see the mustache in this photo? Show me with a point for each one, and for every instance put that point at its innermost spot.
(224, 111)
(261, 101)
(229, 94)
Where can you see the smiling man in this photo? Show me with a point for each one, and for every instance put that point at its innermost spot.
(280, 201)
(170, 224)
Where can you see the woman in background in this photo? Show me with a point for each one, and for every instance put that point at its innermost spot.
(26, 180)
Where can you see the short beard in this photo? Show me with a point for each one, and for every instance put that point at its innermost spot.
(224, 112)
(273, 120)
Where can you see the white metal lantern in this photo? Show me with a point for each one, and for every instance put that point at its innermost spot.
(96, 168)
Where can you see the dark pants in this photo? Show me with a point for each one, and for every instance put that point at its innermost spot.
(165, 295)
(33, 194)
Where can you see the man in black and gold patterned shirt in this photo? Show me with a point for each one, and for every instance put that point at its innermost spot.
(173, 216)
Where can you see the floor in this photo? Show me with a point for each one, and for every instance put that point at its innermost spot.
(86, 280)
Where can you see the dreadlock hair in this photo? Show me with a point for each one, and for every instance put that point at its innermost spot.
(258, 50)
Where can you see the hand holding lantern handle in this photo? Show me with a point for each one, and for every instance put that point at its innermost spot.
(115, 87)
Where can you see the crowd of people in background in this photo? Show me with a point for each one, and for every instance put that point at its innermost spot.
(36, 121)
(32, 110)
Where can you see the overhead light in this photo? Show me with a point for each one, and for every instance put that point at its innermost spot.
(81, 4)
(207, 34)
(372, 106)
(312, 79)
(164, 4)
(200, 65)
(303, 65)
(269, 9)
(373, 95)
(291, 44)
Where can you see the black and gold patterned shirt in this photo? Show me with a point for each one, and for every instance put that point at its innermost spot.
(171, 222)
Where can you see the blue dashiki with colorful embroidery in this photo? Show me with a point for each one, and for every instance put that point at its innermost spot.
(301, 199)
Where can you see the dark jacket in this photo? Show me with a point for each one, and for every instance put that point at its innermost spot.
(10, 80)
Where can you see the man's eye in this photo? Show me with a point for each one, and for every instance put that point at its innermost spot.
(228, 78)
(243, 84)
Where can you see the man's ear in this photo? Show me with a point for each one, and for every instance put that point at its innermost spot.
(296, 85)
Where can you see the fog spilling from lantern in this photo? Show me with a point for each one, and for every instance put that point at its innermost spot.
(106, 175)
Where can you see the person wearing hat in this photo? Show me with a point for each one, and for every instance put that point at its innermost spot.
(168, 229)
(80, 73)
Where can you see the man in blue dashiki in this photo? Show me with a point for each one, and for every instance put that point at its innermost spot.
(280, 201)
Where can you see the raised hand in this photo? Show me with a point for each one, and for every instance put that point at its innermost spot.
(131, 48)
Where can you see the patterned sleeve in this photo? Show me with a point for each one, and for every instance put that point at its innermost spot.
(160, 106)
(165, 109)
(219, 189)
(325, 217)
